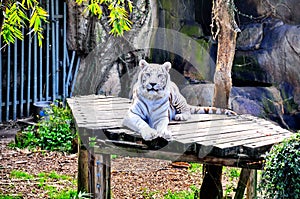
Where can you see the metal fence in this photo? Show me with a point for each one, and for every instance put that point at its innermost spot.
(29, 73)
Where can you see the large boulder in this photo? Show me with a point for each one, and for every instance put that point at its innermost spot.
(263, 102)
(275, 62)
(287, 11)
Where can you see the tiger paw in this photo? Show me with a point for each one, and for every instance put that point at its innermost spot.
(166, 134)
(182, 117)
(149, 134)
(230, 112)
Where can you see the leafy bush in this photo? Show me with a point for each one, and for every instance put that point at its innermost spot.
(54, 133)
(280, 178)
(192, 194)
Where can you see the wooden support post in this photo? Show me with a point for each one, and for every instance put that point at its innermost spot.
(101, 181)
(83, 168)
(245, 173)
(252, 185)
(212, 187)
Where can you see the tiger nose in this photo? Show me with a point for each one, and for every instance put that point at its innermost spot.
(152, 84)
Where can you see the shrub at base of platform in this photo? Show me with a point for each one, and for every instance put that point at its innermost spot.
(281, 173)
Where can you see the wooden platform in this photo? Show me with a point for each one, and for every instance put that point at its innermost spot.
(239, 141)
(219, 139)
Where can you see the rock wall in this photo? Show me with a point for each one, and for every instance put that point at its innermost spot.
(193, 59)
(266, 70)
(113, 55)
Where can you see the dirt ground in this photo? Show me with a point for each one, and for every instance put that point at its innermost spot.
(131, 177)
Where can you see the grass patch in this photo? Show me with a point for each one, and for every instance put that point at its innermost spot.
(195, 167)
(10, 197)
(21, 175)
(232, 175)
(48, 182)
(187, 194)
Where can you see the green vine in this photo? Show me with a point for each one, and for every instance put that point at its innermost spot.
(280, 178)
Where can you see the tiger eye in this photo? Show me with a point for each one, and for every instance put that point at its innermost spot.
(160, 76)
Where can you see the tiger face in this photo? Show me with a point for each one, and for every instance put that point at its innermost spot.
(154, 80)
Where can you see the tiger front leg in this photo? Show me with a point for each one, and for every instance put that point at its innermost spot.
(136, 123)
(162, 129)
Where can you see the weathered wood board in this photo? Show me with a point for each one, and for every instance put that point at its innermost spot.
(99, 120)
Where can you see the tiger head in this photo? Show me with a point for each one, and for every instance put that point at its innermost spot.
(154, 80)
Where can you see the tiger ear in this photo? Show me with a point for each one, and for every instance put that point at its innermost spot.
(167, 65)
(143, 63)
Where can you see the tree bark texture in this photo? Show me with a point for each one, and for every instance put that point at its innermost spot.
(3, 7)
(226, 31)
(83, 29)
(225, 54)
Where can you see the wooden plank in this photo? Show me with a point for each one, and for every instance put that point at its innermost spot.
(210, 130)
(249, 140)
(102, 174)
(242, 137)
(98, 100)
(164, 155)
(267, 141)
(245, 173)
(99, 119)
(186, 128)
(252, 185)
(203, 134)
(203, 117)
(103, 125)
(83, 172)
(106, 107)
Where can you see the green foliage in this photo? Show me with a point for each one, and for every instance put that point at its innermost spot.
(187, 194)
(20, 175)
(232, 174)
(55, 133)
(118, 16)
(29, 13)
(10, 197)
(183, 194)
(195, 168)
(280, 178)
(113, 156)
(16, 17)
(44, 179)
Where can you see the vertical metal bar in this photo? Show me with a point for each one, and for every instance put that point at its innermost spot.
(70, 73)
(41, 71)
(64, 51)
(41, 74)
(28, 77)
(57, 46)
(35, 66)
(22, 78)
(53, 52)
(47, 54)
(74, 77)
(0, 81)
(8, 83)
(15, 80)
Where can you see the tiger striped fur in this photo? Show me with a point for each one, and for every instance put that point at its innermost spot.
(157, 100)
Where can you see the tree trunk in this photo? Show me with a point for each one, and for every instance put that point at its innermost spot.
(3, 7)
(226, 30)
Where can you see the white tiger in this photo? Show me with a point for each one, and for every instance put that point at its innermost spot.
(157, 100)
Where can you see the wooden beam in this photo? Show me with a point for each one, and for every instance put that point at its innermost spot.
(245, 173)
(102, 175)
(164, 155)
(83, 169)
(252, 185)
